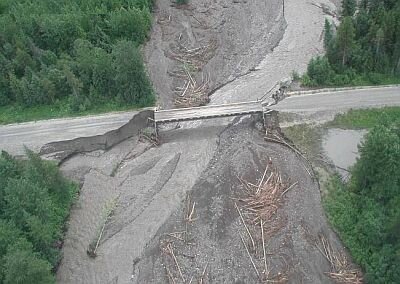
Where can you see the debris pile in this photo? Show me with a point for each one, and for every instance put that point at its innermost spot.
(149, 134)
(192, 94)
(168, 246)
(191, 62)
(341, 268)
(258, 211)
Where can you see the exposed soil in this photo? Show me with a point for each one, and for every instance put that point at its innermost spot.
(228, 39)
(133, 193)
(302, 40)
(147, 188)
(213, 239)
(144, 185)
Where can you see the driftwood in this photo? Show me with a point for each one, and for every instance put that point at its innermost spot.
(251, 259)
(247, 229)
(341, 270)
(192, 60)
(203, 274)
(258, 207)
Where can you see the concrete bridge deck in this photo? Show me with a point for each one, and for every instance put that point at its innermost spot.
(211, 111)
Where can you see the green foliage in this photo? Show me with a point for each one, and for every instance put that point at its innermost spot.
(366, 46)
(345, 38)
(295, 75)
(366, 211)
(130, 23)
(180, 2)
(366, 118)
(62, 50)
(376, 174)
(348, 7)
(319, 71)
(328, 34)
(35, 201)
(61, 108)
(25, 267)
(134, 85)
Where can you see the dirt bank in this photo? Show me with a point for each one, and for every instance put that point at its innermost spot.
(133, 194)
(142, 186)
(61, 150)
(145, 188)
(216, 41)
(213, 241)
(302, 40)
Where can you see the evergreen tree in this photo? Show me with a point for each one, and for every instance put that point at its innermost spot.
(328, 34)
(53, 51)
(366, 211)
(130, 76)
(34, 202)
(348, 8)
(345, 38)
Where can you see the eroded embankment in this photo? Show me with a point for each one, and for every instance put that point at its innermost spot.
(61, 150)
(202, 240)
(145, 189)
(141, 186)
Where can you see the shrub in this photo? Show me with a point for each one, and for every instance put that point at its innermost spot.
(129, 24)
(319, 70)
(366, 41)
(54, 51)
(34, 203)
(130, 76)
(366, 211)
(295, 76)
(24, 267)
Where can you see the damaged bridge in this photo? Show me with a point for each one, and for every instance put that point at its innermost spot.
(211, 111)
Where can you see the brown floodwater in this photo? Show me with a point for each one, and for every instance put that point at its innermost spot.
(341, 146)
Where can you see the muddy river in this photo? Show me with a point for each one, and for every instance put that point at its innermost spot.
(341, 146)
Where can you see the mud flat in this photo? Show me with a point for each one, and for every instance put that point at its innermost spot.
(146, 189)
(228, 38)
(302, 40)
(133, 194)
(141, 186)
(213, 251)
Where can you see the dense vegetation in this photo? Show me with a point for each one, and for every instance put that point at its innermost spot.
(73, 55)
(34, 204)
(364, 49)
(365, 118)
(366, 210)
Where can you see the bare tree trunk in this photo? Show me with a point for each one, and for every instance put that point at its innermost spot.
(344, 58)
(398, 66)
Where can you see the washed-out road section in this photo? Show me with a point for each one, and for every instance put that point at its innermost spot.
(36, 134)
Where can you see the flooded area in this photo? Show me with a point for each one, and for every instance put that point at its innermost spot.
(341, 147)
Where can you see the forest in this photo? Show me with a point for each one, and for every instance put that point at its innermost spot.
(73, 55)
(366, 210)
(363, 50)
(35, 201)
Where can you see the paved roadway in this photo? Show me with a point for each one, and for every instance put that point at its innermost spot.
(341, 100)
(207, 111)
(36, 134)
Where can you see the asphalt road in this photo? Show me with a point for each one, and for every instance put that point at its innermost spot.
(342, 100)
(36, 134)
